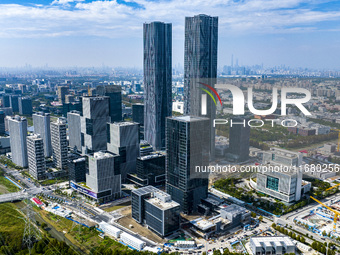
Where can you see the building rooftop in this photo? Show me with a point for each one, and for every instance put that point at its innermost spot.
(202, 224)
(125, 123)
(285, 153)
(144, 190)
(60, 121)
(16, 118)
(79, 160)
(153, 155)
(102, 155)
(268, 240)
(188, 118)
(34, 137)
(161, 204)
(44, 114)
(234, 209)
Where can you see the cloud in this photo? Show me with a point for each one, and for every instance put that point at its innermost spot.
(125, 18)
(65, 2)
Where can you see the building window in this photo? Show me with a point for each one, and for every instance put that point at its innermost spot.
(272, 183)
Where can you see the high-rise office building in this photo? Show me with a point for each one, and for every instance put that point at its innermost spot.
(123, 140)
(77, 169)
(104, 176)
(157, 81)
(74, 130)
(239, 134)
(200, 66)
(156, 209)
(18, 132)
(2, 122)
(14, 103)
(187, 147)
(150, 170)
(25, 105)
(114, 93)
(62, 92)
(93, 124)
(36, 158)
(5, 100)
(69, 99)
(41, 123)
(138, 113)
(59, 143)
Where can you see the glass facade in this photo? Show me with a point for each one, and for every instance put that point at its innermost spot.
(272, 183)
(187, 147)
(200, 66)
(157, 81)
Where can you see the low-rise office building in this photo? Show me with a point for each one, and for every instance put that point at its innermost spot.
(276, 245)
(156, 210)
(285, 186)
(282, 157)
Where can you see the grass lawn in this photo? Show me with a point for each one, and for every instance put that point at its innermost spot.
(50, 182)
(6, 186)
(82, 237)
(116, 207)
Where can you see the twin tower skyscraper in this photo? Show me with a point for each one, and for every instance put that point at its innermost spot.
(200, 66)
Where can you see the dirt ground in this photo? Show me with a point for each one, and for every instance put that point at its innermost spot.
(3, 189)
(137, 228)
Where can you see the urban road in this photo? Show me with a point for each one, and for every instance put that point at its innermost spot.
(76, 206)
(99, 216)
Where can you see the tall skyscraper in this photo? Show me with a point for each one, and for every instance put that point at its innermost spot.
(239, 135)
(104, 176)
(93, 124)
(200, 66)
(41, 123)
(187, 146)
(62, 92)
(18, 132)
(59, 143)
(25, 105)
(5, 100)
(36, 158)
(123, 140)
(74, 130)
(114, 93)
(2, 122)
(14, 103)
(157, 81)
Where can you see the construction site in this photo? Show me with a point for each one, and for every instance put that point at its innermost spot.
(322, 219)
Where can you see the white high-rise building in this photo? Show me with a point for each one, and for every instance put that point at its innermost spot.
(59, 143)
(18, 132)
(36, 158)
(41, 123)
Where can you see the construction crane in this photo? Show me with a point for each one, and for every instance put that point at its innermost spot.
(336, 213)
(338, 130)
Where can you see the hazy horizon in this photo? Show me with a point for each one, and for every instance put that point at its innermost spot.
(92, 33)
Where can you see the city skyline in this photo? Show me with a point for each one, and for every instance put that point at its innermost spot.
(95, 33)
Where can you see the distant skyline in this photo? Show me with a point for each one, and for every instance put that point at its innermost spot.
(63, 33)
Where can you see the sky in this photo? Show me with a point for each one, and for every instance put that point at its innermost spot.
(84, 33)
